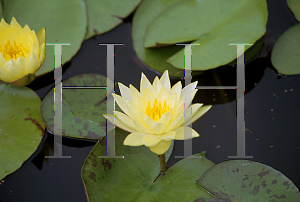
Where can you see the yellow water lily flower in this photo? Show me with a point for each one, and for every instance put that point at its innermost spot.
(155, 115)
(22, 52)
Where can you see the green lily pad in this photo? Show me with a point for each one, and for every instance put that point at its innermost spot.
(294, 5)
(286, 52)
(155, 58)
(104, 15)
(243, 180)
(213, 24)
(133, 178)
(65, 22)
(82, 109)
(21, 126)
(1, 9)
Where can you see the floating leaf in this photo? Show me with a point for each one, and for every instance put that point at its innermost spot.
(82, 109)
(65, 22)
(294, 5)
(155, 58)
(21, 126)
(286, 52)
(1, 9)
(213, 24)
(243, 180)
(104, 15)
(132, 178)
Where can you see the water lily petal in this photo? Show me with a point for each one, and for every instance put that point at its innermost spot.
(125, 120)
(4, 75)
(162, 95)
(150, 140)
(149, 96)
(176, 89)
(134, 94)
(32, 63)
(15, 25)
(168, 136)
(42, 54)
(174, 124)
(165, 81)
(134, 139)
(145, 83)
(148, 121)
(189, 88)
(156, 86)
(14, 69)
(122, 102)
(121, 123)
(3, 23)
(143, 104)
(161, 147)
(41, 36)
(188, 97)
(197, 112)
(158, 128)
(190, 133)
(141, 128)
(125, 92)
(166, 118)
(171, 100)
(178, 110)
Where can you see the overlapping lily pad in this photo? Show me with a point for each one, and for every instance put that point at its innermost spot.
(82, 109)
(21, 126)
(294, 5)
(155, 58)
(104, 15)
(132, 178)
(286, 52)
(65, 22)
(243, 180)
(213, 24)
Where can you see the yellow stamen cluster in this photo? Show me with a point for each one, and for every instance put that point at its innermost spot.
(9, 51)
(157, 110)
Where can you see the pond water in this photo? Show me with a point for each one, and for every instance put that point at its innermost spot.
(271, 115)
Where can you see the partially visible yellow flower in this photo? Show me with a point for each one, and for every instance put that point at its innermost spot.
(155, 115)
(22, 52)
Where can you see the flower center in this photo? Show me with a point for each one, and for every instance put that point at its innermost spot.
(9, 51)
(157, 110)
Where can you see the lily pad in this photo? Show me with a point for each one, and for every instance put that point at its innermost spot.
(294, 5)
(133, 178)
(1, 9)
(286, 52)
(104, 15)
(243, 180)
(82, 109)
(21, 126)
(155, 58)
(213, 24)
(65, 22)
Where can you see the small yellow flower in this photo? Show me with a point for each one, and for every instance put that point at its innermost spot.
(155, 115)
(22, 52)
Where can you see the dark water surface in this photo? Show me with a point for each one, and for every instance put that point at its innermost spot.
(271, 115)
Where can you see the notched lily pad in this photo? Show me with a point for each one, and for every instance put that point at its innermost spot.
(104, 15)
(21, 126)
(286, 52)
(213, 24)
(155, 58)
(82, 109)
(134, 177)
(243, 180)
